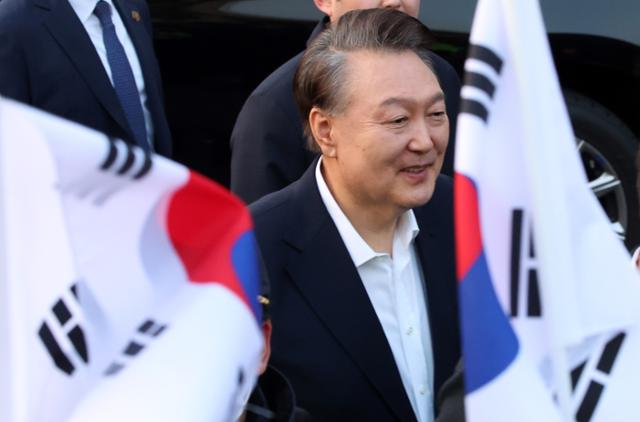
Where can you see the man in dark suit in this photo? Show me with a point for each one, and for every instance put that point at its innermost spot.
(88, 61)
(267, 143)
(359, 250)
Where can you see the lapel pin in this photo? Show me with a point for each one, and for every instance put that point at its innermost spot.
(135, 15)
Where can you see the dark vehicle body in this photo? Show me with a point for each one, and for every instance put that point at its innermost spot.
(214, 53)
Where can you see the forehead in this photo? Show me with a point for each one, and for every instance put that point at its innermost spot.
(373, 77)
(410, 5)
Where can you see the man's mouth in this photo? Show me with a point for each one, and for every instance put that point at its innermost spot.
(415, 169)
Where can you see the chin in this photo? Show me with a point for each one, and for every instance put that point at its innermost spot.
(418, 198)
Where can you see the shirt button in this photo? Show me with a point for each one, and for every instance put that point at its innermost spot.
(410, 330)
(423, 389)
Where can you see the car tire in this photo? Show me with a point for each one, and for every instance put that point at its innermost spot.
(609, 149)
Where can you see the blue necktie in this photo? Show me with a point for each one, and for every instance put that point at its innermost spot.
(124, 82)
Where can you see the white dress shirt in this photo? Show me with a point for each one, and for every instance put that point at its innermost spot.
(84, 9)
(396, 291)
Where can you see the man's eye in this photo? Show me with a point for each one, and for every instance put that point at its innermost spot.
(398, 121)
(439, 114)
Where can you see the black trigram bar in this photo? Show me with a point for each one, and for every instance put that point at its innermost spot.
(594, 391)
(61, 312)
(590, 401)
(475, 108)
(130, 160)
(576, 373)
(111, 155)
(59, 358)
(516, 242)
(610, 353)
(149, 329)
(146, 326)
(133, 348)
(487, 56)
(114, 368)
(534, 304)
(75, 335)
(146, 167)
(479, 81)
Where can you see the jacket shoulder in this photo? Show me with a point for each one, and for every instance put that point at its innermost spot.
(16, 16)
(280, 81)
(272, 208)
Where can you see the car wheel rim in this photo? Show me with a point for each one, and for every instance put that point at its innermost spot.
(606, 185)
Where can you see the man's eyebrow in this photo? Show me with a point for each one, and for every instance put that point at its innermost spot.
(439, 96)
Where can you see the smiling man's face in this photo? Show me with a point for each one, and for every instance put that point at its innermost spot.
(390, 138)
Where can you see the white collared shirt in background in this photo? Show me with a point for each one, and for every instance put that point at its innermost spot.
(84, 9)
(396, 290)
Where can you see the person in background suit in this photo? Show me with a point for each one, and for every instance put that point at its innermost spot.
(268, 146)
(359, 251)
(89, 61)
(273, 397)
(450, 398)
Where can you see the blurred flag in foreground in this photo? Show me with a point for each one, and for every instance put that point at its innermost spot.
(547, 290)
(128, 284)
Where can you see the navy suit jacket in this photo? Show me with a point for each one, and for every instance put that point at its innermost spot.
(48, 60)
(327, 338)
(268, 146)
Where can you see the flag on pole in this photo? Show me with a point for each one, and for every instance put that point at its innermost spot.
(128, 284)
(550, 304)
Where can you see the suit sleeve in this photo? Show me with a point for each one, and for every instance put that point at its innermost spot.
(268, 149)
(14, 75)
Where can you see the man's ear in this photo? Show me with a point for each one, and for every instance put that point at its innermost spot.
(266, 352)
(321, 125)
(325, 6)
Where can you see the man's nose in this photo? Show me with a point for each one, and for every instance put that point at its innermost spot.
(421, 139)
(392, 4)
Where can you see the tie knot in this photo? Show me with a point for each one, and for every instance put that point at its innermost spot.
(103, 12)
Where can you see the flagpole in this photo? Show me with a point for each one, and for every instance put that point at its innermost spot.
(546, 219)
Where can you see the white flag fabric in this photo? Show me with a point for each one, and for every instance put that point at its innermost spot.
(128, 284)
(542, 275)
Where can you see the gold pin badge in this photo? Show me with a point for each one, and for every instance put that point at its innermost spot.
(135, 15)
(263, 300)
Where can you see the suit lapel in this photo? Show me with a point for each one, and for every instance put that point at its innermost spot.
(66, 28)
(432, 245)
(323, 271)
